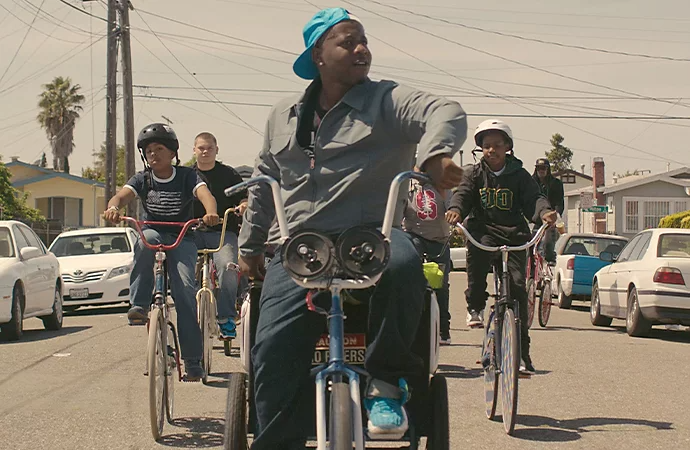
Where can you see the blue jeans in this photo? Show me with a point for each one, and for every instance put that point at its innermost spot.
(181, 263)
(227, 278)
(287, 332)
(433, 251)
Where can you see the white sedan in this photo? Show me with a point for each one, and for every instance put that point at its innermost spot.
(30, 284)
(647, 284)
(95, 263)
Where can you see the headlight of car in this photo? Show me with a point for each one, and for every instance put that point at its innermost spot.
(122, 270)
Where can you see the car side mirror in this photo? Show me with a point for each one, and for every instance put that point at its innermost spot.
(607, 256)
(30, 252)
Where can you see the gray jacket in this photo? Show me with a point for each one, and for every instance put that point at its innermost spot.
(370, 136)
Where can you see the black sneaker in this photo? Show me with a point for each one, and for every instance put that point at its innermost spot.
(474, 319)
(137, 315)
(193, 370)
(526, 366)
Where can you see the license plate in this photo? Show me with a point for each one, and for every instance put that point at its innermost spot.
(355, 348)
(79, 293)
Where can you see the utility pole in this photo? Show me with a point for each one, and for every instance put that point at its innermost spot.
(111, 103)
(127, 98)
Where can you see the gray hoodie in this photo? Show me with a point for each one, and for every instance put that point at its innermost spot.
(370, 136)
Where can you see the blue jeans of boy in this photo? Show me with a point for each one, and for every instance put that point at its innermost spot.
(227, 278)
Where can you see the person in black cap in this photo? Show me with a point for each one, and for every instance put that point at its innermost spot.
(335, 150)
(167, 193)
(552, 188)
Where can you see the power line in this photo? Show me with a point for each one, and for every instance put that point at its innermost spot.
(494, 55)
(86, 12)
(190, 73)
(200, 100)
(46, 16)
(21, 44)
(541, 41)
(35, 29)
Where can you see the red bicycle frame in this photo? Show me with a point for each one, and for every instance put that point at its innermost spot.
(161, 247)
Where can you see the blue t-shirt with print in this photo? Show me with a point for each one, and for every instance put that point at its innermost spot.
(167, 200)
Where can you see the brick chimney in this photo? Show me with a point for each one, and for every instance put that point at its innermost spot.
(598, 180)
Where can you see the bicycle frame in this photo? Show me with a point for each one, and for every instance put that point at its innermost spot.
(206, 254)
(335, 368)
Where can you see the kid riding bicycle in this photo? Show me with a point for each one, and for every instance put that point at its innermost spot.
(167, 193)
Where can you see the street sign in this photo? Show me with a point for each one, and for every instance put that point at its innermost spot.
(586, 199)
(596, 209)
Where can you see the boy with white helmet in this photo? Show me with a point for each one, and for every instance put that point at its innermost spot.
(497, 197)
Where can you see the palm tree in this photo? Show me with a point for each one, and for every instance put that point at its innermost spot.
(60, 104)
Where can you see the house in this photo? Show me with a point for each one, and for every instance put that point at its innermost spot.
(634, 203)
(572, 179)
(67, 199)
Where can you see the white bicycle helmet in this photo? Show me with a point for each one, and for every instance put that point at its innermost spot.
(489, 125)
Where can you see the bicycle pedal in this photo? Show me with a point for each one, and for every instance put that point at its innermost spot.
(524, 375)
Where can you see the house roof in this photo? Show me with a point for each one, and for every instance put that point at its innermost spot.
(582, 189)
(571, 172)
(672, 177)
(46, 174)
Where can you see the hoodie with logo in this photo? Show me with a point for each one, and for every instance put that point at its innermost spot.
(499, 205)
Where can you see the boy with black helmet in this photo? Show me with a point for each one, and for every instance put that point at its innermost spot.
(496, 196)
(167, 194)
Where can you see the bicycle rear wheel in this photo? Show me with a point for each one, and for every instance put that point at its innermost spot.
(489, 366)
(510, 367)
(157, 358)
(531, 301)
(545, 301)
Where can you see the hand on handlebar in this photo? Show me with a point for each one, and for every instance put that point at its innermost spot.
(550, 217)
(211, 219)
(444, 173)
(253, 266)
(241, 208)
(112, 216)
(452, 217)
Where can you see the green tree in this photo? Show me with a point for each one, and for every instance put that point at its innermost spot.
(97, 172)
(13, 202)
(60, 104)
(559, 156)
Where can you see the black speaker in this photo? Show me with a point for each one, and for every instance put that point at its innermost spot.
(308, 255)
(362, 251)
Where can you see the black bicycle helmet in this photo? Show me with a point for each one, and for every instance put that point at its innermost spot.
(159, 133)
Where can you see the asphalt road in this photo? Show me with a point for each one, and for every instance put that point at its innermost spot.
(596, 388)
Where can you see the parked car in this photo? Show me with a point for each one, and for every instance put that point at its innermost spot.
(30, 284)
(96, 263)
(646, 284)
(458, 258)
(577, 260)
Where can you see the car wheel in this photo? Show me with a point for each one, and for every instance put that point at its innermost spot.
(635, 323)
(54, 320)
(595, 310)
(14, 329)
(564, 301)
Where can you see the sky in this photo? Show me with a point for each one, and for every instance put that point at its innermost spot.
(218, 65)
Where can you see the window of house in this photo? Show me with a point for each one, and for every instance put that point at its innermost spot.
(642, 213)
(568, 179)
(68, 210)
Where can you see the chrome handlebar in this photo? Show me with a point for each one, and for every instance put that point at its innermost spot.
(505, 248)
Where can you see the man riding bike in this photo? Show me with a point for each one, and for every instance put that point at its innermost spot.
(335, 150)
(552, 188)
(218, 177)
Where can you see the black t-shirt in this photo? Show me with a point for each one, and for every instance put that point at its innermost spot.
(219, 178)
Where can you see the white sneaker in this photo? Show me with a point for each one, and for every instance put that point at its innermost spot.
(445, 341)
(475, 319)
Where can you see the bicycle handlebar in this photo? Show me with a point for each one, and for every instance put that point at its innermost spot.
(161, 247)
(280, 208)
(505, 248)
(224, 221)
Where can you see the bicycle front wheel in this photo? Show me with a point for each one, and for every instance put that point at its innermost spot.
(510, 367)
(489, 365)
(545, 302)
(531, 301)
(173, 360)
(205, 323)
(340, 435)
(157, 358)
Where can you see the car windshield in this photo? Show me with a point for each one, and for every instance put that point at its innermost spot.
(593, 246)
(674, 246)
(6, 247)
(91, 244)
